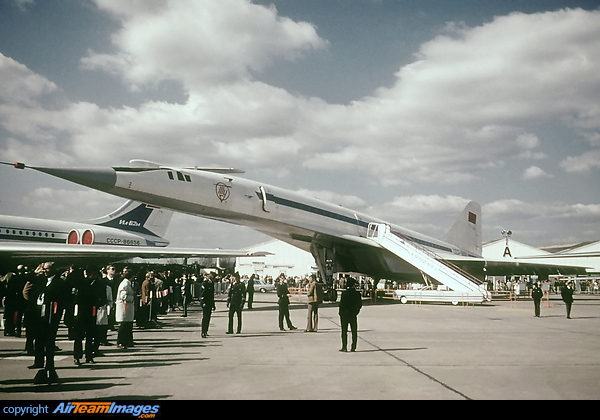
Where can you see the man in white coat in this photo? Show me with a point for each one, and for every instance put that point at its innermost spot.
(125, 310)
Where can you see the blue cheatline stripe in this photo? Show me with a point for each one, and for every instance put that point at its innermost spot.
(337, 216)
(313, 210)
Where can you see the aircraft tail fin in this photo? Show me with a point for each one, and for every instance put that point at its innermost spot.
(138, 217)
(466, 231)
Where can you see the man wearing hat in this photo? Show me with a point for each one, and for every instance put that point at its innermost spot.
(350, 305)
(235, 300)
(537, 294)
(45, 294)
(567, 297)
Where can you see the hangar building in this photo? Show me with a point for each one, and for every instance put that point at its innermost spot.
(585, 254)
(285, 259)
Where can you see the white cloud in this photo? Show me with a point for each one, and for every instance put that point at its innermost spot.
(535, 172)
(20, 86)
(22, 4)
(261, 151)
(470, 102)
(200, 42)
(542, 223)
(519, 209)
(477, 91)
(80, 205)
(582, 164)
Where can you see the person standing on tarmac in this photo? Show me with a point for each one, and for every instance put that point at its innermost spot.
(186, 292)
(147, 308)
(284, 304)
(537, 294)
(125, 307)
(235, 301)
(113, 281)
(250, 291)
(46, 294)
(14, 303)
(350, 306)
(567, 297)
(33, 282)
(315, 296)
(207, 302)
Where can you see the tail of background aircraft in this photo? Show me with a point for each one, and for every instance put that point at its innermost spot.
(137, 217)
(466, 231)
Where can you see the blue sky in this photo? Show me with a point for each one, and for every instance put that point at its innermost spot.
(403, 109)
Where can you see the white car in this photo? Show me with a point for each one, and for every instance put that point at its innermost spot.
(261, 286)
(428, 295)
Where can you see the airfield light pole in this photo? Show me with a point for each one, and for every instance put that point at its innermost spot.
(507, 234)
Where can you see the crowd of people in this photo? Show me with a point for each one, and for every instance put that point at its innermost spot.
(523, 287)
(91, 301)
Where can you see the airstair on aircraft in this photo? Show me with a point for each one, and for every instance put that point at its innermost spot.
(425, 260)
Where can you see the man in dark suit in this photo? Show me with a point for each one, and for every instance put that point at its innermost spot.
(235, 301)
(14, 303)
(567, 297)
(91, 294)
(283, 294)
(250, 291)
(47, 295)
(350, 305)
(207, 301)
(537, 294)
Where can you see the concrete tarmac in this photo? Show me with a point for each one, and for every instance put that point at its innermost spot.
(496, 351)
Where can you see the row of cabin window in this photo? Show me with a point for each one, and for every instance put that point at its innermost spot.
(14, 232)
(180, 176)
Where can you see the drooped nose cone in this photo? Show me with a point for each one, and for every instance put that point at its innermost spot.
(98, 179)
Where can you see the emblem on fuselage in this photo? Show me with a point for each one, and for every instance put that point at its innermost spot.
(223, 191)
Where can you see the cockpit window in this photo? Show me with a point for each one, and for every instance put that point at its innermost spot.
(180, 176)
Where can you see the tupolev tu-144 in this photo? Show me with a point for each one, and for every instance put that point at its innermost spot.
(337, 237)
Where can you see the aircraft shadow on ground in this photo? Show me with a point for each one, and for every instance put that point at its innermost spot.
(269, 308)
(70, 383)
(158, 343)
(75, 384)
(11, 353)
(135, 397)
(143, 356)
(391, 350)
(136, 364)
(585, 317)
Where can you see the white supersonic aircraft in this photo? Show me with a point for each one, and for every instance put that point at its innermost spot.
(340, 239)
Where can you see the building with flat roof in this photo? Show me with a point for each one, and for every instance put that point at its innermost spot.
(285, 258)
(585, 254)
